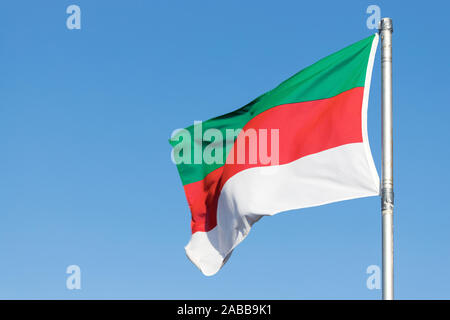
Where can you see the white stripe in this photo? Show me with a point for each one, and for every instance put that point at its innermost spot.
(336, 174)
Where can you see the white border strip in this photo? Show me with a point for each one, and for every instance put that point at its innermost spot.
(365, 106)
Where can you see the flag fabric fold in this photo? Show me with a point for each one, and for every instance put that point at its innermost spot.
(302, 144)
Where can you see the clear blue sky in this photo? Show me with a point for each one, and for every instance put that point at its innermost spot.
(85, 170)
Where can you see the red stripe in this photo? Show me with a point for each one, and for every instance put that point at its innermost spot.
(304, 128)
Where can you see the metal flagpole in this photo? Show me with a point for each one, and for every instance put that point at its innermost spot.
(387, 181)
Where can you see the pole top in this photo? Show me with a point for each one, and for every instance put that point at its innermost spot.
(386, 24)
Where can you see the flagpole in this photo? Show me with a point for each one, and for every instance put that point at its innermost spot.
(387, 181)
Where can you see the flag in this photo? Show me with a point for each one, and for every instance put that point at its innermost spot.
(302, 144)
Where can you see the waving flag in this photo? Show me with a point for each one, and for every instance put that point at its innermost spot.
(299, 145)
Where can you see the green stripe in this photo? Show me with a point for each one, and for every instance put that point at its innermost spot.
(334, 74)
